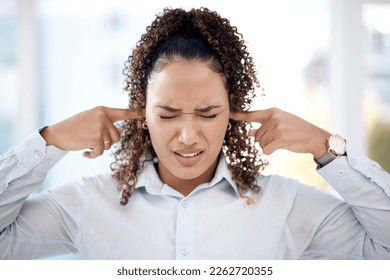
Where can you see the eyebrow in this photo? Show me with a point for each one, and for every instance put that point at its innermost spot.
(168, 108)
(201, 110)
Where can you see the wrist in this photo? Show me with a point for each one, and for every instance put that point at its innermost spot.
(44, 131)
(336, 147)
(321, 147)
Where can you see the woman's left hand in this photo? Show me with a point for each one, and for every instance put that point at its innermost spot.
(282, 130)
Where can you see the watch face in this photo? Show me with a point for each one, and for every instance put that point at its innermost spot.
(337, 144)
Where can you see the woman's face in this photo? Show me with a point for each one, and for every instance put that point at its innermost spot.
(187, 112)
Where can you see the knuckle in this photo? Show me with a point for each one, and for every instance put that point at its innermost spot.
(278, 124)
(274, 112)
(99, 108)
(100, 113)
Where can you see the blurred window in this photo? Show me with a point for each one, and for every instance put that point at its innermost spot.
(8, 74)
(377, 80)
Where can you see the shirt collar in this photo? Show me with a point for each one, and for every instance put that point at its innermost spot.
(149, 179)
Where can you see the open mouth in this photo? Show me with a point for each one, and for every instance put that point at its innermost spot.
(188, 158)
(188, 155)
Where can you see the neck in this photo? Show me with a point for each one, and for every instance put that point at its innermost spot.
(186, 186)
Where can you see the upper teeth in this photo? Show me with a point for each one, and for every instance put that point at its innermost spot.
(189, 155)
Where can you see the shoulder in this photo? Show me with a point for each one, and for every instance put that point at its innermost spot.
(293, 192)
(278, 184)
(98, 181)
(99, 185)
(85, 190)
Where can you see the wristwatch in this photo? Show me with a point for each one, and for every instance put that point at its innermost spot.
(336, 148)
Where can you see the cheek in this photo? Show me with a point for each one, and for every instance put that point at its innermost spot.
(217, 134)
(152, 121)
(155, 123)
(215, 129)
(161, 133)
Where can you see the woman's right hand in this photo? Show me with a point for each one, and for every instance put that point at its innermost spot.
(93, 130)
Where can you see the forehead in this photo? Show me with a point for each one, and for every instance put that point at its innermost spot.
(187, 82)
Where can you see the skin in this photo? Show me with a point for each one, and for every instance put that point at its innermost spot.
(187, 112)
(93, 130)
(282, 130)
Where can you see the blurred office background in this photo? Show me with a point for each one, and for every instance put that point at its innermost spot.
(327, 61)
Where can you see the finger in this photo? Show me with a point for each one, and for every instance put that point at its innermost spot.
(107, 144)
(111, 140)
(110, 136)
(252, 132)
(255, 133)
(104, 142)
(98, 149)
(95, 151)
(253, 116)
(116, 114)
(259, 133)
(88, 154)
(114, 133)
(270, 147)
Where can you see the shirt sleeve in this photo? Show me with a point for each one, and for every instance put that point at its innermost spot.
(361, 226)
(23, 168)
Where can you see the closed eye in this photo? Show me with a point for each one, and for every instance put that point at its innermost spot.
(167, 117)
(202, 116)
(208, 116)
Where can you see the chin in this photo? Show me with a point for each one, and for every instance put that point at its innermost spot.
(199, 171)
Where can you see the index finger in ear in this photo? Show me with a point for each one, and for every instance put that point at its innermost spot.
(124, 114)
(253, 116)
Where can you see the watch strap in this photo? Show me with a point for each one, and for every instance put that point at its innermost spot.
(325, 159)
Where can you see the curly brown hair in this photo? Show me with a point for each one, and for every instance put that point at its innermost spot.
(198, 34)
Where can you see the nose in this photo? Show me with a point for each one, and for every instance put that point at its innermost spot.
(189, 133)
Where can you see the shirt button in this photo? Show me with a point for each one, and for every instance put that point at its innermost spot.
(184, 251)
(2, 187)
(184, 204)
(37, 154)
(341, 172)
(48, 162)
(353, 162)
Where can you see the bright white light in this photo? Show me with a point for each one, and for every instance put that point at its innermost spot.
(378, 16)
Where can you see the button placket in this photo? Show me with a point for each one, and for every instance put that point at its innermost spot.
(184, 231)
(184, 251)
(37, 154)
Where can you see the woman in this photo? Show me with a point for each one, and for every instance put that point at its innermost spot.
(187, 168)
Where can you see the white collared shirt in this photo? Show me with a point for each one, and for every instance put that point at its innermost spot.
(288, 220)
